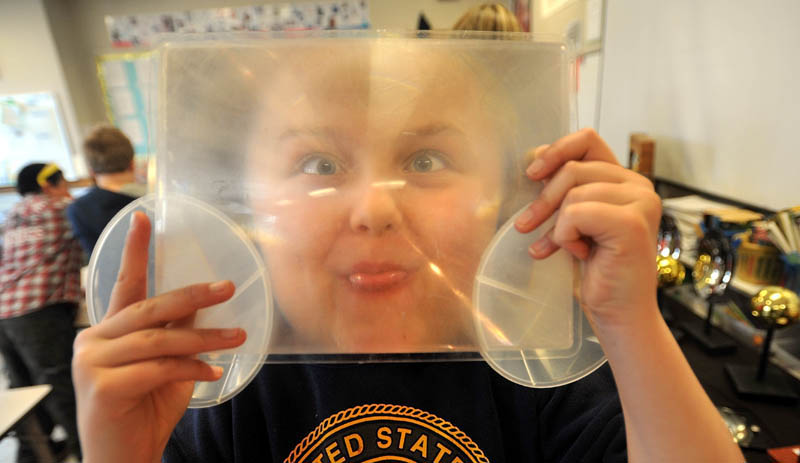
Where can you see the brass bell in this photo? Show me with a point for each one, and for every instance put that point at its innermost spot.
(776, 305)
(670, 271)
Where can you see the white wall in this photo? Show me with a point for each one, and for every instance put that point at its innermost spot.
(29, 61)
(557, 21)
(716, 83)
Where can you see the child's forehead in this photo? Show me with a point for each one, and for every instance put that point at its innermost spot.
(370, 73)
(379, 85)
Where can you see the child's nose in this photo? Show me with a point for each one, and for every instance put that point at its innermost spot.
(375, 210)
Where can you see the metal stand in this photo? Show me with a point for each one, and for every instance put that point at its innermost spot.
(710, 339)
(762, 382)
(29, 430)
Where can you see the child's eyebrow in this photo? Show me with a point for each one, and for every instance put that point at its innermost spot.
(433, 129)
(320, 132)
(330, 132)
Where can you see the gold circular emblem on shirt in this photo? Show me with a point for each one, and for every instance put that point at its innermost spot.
(386, 433)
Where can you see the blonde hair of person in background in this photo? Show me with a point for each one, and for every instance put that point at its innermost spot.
(488, 17)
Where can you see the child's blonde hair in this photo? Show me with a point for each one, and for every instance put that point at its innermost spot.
(488, 17)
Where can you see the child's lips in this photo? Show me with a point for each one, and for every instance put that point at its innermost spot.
(377, 281)
(376, 277)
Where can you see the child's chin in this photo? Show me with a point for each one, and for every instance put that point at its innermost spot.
(383, 342)
(397, 342)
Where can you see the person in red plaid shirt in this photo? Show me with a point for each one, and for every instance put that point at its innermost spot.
(39, 294)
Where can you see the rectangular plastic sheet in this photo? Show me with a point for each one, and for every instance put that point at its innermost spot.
(356, 179)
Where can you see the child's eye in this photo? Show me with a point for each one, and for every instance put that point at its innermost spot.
(426, 161)
(319, 164)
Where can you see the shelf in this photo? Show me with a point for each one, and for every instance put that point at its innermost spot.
(727, 318)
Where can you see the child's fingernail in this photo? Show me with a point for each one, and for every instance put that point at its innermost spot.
(535, 167)
(230, 333)
(540, 246)
(217, 370)
(525, 218)
(219, 286)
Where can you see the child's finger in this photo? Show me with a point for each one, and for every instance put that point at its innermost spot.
(159, 342)
(608, 226)
(619, 194)
(131, 284)
(137, 379)
(582, 145)
(535, 153)
(567, 178)
(544, 247)
(576, 234)
(165, 308)
(609, 193)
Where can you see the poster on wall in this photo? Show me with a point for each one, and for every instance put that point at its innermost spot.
(140, 30)
(125, 83)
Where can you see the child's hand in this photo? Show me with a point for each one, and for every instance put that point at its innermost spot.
(134, 374)
(607, 217)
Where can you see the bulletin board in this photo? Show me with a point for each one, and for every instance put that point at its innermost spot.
(127, 95)
(140, 30)
(124, 80)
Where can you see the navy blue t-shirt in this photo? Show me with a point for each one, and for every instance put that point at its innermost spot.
(443, 412)
(90, 214)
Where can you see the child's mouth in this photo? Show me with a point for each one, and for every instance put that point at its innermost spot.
(377, 281)
(376, 277)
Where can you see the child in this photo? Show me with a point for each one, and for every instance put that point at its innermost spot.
(381, 172)
(109, 154)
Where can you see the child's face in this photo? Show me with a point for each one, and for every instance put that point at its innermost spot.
(59, 190)
(380, 177)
